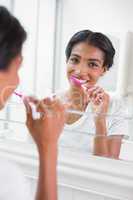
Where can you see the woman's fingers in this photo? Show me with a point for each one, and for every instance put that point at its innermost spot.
(95, 93)
(46, 107)
(31, 99)
(59, 110)
(50, 106)
(99, 99)
(29, 118)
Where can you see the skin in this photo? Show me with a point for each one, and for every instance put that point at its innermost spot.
(87, 62)
(45, 131)
(9, 79)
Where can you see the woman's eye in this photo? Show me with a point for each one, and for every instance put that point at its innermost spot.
(93, 65)
(74, 60)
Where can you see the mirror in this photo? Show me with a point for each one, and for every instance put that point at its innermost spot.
(112, 19)
(44, 58)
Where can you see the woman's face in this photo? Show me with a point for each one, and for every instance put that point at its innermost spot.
(9, 80)
(86, 62)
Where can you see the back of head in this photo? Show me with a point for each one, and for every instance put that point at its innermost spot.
(12, 36)
(95, 39)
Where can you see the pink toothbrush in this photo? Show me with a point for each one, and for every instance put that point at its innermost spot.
(36, 115)
(77, 82)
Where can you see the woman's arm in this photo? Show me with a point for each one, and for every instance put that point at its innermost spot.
(104, 145)
(108, 146)
(100, 139)
(114, 146)
(45, 132)
(47, 180)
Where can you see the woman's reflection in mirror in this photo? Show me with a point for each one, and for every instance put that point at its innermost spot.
(89, 55)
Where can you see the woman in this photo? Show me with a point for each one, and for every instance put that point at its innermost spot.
(45, 131)
(89, 55)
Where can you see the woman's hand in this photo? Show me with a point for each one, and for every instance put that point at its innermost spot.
(100, 104)
(47, 129)
(99, 99)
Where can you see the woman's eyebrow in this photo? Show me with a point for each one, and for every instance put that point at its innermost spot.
(76, 55)
(95, 60)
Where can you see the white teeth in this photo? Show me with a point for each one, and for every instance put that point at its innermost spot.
(81, 80)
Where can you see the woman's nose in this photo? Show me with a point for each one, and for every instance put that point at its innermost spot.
(84, 69)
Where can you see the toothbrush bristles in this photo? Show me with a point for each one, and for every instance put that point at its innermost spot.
(20, 95)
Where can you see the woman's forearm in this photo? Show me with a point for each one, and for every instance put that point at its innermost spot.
(114, 144)
(47, 183)
(100, 140)
(100, 146)
(100, 126)
(106, 145)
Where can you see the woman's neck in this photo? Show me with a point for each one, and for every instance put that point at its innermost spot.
(78, 98)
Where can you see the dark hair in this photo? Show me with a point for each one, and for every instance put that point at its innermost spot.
(96, 39)
(12, 36)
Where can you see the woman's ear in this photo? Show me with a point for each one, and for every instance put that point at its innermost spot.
(104, 70)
